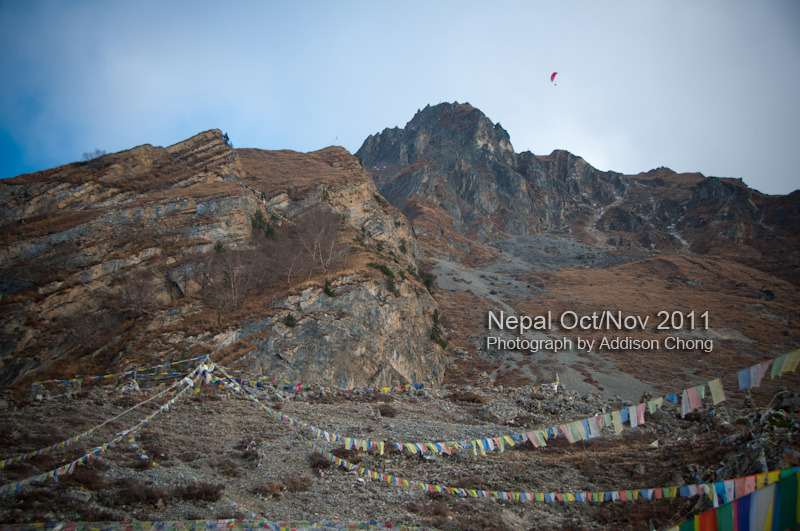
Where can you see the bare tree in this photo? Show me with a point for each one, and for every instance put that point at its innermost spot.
(91, 155)
(134, 298)
(235, 268)
(318, 233)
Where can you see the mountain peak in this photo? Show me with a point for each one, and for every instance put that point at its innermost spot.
(446, 126)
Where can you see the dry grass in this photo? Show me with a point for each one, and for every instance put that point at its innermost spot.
(49, 223)
(296, 174)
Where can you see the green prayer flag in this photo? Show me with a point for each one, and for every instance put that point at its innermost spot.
(777, 366)
(725, 517)
(688, 525)
(787, 502)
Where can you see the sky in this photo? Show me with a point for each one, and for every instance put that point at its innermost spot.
(700, 85)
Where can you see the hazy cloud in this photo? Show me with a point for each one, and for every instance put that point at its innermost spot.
(697, 86)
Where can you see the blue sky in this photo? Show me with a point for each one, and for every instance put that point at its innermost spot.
(708, 86)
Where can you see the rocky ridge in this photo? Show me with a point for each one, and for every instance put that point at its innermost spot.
(454, 173)
(155, 253)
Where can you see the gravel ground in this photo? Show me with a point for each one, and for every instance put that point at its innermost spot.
(497, 282)
(218, 443)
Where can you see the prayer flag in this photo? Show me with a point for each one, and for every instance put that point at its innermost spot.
(633, 416)
(586, 427)
(640, 413)
(764, 369)
(791, 361)
(777, 365)
(616, 421)
(567, 433)
(594, 426)
(717, 393)
(755, 376)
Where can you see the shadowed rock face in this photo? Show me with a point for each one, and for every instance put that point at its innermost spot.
(456, 176)
(151, 255)
(455, 159)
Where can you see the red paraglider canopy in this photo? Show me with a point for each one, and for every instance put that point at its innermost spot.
(553, 76)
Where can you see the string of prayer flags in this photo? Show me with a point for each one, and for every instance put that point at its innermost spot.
(118, 374)
(85, 434)
(68, 468)
(727, 488)
(574, 431)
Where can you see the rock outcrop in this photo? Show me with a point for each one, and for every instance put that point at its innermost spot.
(156, 254)
(456, 176)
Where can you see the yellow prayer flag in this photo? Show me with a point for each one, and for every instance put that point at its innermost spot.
(717, 393)
(791, 361)
(616, 421)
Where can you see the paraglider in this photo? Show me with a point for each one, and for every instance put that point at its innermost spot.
(553, 78)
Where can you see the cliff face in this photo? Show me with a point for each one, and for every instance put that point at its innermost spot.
(455, 175)
(452, 166)
(156, 254)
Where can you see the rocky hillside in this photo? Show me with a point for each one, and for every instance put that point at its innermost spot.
(535, 235)
(454, 173)
(288, 264)
(297, 266)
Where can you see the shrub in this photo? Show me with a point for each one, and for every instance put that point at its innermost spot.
(383, 268)
(387, 271)
(353, 456)
(131, 491)
(200, 491)
(436, 332)
(318, 462)
(226, 467)
(290, 321)
(91, 155)
(271, 490)
(466, 396)
(427, 278)
(387, 410)
(260, 223)
(327, 289)
(298, 483)
(88, 478)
